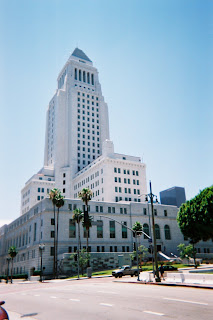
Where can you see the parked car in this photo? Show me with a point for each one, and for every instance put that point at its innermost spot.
(168, 268)
(125, 270)
(3, 312)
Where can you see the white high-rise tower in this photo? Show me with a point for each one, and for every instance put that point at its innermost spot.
(77, 120)
(78, 152)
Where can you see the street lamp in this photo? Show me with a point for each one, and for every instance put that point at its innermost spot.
(152, 196)
(41, 248)
(150, 233)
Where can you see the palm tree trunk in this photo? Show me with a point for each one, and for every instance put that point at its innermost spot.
(79, 235)
(12, 272)
(194, 255)
(88, 245)
(54, 243)
(56, 265)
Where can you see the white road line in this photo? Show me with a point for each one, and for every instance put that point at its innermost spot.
(53, 297)
(110, 292)
(106, 304)
(36, 295)
(155, 313)
(77, 300)
(187, 301)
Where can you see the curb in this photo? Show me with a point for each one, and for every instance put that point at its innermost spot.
(169, 284)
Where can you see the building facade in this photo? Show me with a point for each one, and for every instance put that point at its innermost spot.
(79, 153)
(174, 196)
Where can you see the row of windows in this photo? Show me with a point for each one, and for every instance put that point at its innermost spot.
(155, 212)
(167, 232)
(88, 102)
(117, 199)
(88, 96)
(84, 76)
(127, 190)
(72, 229)
(126, 171)
(128, 181)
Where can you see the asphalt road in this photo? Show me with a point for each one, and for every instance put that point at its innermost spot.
(104, 298)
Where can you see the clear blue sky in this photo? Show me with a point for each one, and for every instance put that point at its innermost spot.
(156, 69)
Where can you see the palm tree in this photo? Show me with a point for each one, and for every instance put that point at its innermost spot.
(59, 204)
(87, 224)
(12, 253)
(77, 216)
(85, 195)
(54, 195)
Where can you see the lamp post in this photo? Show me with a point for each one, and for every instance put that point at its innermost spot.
(150, 233)
(41, 248)
(152, 196)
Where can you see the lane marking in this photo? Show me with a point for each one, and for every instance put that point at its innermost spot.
(77, 300)
(36, 295)
(106, 304)
(110, 292)
(155, 313)
(187, 301)
(53, 297)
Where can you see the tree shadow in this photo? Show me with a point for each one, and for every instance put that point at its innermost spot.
(29, 315)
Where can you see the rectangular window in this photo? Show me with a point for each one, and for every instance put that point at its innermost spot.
(96, 208)
(99, 229)
(52, 251)
(101, 209)
(52, 234)
(72, 228)
(144, 211)
(35, 227)
(113, 209)
(70, 207)
(124, 230)
(121, 210)
(155, 212)
(165, 213)
(112, 229)
(109, 209)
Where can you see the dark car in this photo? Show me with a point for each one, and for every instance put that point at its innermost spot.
(168, 268)
(3, 313)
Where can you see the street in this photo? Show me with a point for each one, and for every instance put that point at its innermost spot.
(105, 298)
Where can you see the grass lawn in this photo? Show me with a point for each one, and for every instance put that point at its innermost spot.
(144, 268)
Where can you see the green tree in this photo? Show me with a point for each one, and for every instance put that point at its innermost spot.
(138, 228)
(84, 257)
(142, 254)
(186, 251)
(87, 224)
(195, 217)
(85, 195)
(59, 204)
(78, 216)
(12, 251)
(57, 201)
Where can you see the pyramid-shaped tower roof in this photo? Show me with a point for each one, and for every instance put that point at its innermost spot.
(80, 54)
